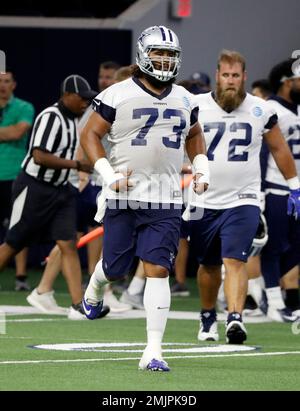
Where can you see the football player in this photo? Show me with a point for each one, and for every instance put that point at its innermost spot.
(149, 121)
(281, 253)
(234, 124)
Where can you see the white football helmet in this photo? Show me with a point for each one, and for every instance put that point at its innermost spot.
(261, 237)
(158, 37)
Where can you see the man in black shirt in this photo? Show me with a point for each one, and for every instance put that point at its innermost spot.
(43, 199)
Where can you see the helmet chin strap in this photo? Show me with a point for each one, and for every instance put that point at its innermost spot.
(155, 82)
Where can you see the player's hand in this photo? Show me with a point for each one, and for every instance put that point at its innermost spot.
(200, 183)
(122, 184)
(294, 204)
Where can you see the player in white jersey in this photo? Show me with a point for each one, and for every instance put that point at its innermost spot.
(234, 125)
(281, 253)
(149, 121)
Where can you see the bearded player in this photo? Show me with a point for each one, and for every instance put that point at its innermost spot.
(234, 123)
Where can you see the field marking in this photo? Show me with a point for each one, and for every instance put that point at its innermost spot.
(35, 320)
(10, 310)
(117, 347)
(79, 360)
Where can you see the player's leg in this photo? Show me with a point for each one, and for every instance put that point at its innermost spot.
(235, 284)
(255, 280)
(135, 291)
(71, 269)
(290, 284)
(256, 283)
(6, 254)
(42, 297)
(63, 231)
(24, 220)
(289, 268)
(119, 246)
(157, 300)
(239, 225)
(205, 245)
(21, 268)
(209, 281)
(272, 255)
(157, 245)
(179, 288)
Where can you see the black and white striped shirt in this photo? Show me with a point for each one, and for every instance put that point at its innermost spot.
(54, 131)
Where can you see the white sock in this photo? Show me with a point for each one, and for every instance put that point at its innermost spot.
(274, 297)
(136, 286)
(157, 299)
(94, 291)
(255, 289)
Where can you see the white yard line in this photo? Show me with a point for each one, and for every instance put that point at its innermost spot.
(78, 360)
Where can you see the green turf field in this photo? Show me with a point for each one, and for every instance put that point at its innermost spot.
(274, 365)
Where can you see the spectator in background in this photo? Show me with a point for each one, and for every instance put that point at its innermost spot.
(261, 88)
(192, 86)
(44, 205)
(16, 118)
(106, 74)
(280, 257)
(202, 80)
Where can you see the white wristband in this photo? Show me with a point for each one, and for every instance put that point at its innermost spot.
(200, 164)
(106, 171)
(293, 183)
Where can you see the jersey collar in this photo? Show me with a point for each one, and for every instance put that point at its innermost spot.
(290, 106)
(161, 96)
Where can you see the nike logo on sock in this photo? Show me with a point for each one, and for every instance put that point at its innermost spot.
(162, 308)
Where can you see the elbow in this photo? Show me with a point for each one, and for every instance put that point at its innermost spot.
(37, 157)
(83, 139)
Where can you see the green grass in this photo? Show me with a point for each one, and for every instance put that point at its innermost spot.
(280, 372)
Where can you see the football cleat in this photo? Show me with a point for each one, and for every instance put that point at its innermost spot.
(135, 301)
(179, 290)
(208, 327)
(154, 365)
(236, 332)
(92, 312)
(283, 315)
(45, 302)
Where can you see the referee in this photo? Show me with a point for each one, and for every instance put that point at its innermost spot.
(44, 206)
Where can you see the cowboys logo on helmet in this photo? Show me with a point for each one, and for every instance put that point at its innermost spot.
(163, 68)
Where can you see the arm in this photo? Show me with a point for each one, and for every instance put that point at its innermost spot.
(281, 153)
(90, 141)
(91, 135)
(195, 143)
(15, 132)
(46, 159)
(196, 150)
(286, 164)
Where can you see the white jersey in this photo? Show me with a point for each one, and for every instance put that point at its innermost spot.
(147, 136)
(233, 145)
(289, 124)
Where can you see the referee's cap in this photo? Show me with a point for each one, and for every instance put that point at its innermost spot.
(79, 85)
